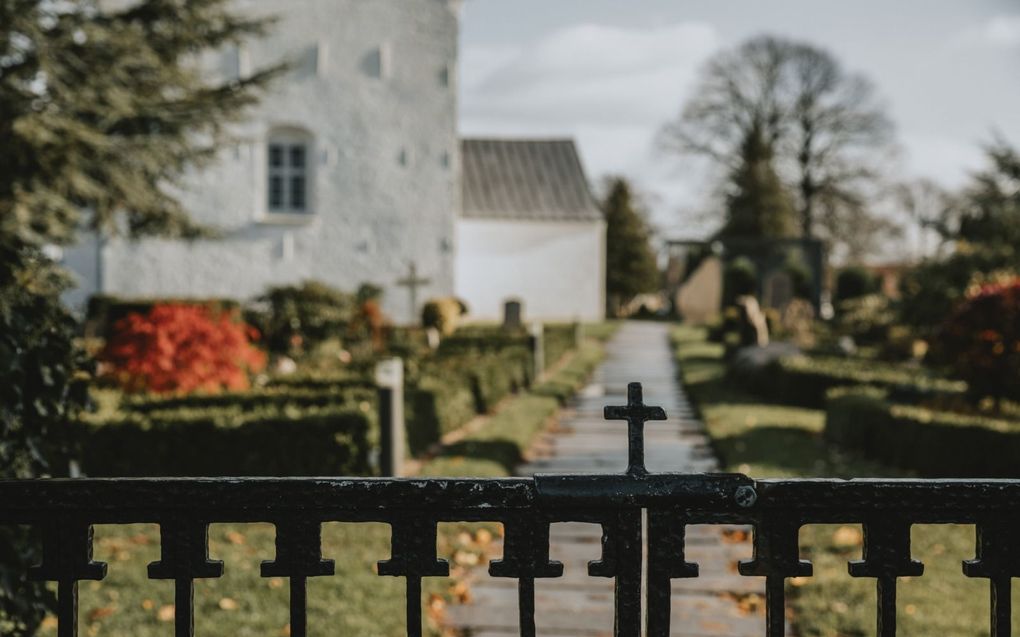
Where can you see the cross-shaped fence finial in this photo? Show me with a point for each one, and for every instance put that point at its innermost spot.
(636, 413)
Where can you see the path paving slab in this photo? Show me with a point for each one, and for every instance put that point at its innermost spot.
(718, 602)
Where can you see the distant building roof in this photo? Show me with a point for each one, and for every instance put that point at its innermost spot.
(525, 179)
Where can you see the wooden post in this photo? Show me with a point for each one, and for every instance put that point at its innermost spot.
(578, 334)
(389, 378)
(537, 333)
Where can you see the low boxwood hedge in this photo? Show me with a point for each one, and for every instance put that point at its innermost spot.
(937, 444)
(558, 340)
(216, 442)
(803, 381)
(257, 398)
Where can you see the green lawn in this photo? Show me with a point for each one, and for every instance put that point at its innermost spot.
(768, 441)
(354, 602)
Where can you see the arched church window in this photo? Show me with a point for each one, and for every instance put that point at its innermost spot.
(289, 155)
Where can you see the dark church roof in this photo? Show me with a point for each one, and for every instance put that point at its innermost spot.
(540, 180)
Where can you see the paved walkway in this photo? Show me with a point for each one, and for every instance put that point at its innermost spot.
(719, 602)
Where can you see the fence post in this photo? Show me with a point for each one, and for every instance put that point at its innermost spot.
(537, 333)
(389, 378)
(578, 334)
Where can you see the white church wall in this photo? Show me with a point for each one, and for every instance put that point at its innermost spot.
(383, 162)
(556, 268)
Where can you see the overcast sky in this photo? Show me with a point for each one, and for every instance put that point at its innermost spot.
(611, 72)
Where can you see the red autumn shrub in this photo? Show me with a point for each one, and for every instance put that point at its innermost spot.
(178, 348)
(981, 340)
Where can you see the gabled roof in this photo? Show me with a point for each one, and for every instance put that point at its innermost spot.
(525, 179)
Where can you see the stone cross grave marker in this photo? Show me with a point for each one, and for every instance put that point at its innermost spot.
(412, 282)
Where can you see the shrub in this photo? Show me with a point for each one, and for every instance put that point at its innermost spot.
(981, 341)
(215, 442)
(854, 282)
(43, 379)
(277, 396)
(933, 443)
(931, 291)
(558, 340)
(295, 318)
(436, 407)
(866, 318)
(104, 310)
(180, 349)
(443, 314)
(803, 381)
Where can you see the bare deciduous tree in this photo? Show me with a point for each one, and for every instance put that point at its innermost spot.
(828, 130)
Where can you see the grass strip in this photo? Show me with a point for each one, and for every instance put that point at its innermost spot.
(766, 440)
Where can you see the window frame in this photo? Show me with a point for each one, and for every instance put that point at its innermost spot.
(287, 141)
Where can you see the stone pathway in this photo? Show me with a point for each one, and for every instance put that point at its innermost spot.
(719, 602)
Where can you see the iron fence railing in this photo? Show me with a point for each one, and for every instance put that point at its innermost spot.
(627, 506)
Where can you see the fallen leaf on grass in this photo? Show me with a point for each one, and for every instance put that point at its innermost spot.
(166, 613)
(461, 592)
(227, 603)
(99, 613)
(847, 537)
(735, 536)
(483, 537)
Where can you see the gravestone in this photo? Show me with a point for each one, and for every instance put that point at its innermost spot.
(536, 334)
(778, 290)
(512, 315)
(699, 299)
(754, 328)
(389, 379)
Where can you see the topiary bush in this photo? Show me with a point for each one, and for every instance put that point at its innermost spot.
(443, 314)
(854, 282)
(293, 319)
(181, 349)
(980, 341)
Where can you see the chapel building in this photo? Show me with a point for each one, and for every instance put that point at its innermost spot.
(349, 171)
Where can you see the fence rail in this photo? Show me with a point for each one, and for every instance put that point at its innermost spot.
(627, 507)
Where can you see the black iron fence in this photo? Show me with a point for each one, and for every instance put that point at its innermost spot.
(626, 506)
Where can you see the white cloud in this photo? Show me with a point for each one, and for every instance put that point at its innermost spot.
(1001, 32)
(612, 88)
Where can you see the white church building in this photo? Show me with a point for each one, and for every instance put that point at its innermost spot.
(350, 170)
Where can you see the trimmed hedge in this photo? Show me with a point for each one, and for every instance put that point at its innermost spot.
(935, 444)
(215, 442)
(298, 396)
(803, 381)
(453, 389)
(558, 340)
(435, 408)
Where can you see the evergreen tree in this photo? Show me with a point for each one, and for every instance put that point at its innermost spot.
(631, 267)
(757, 205)
(101, 112)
